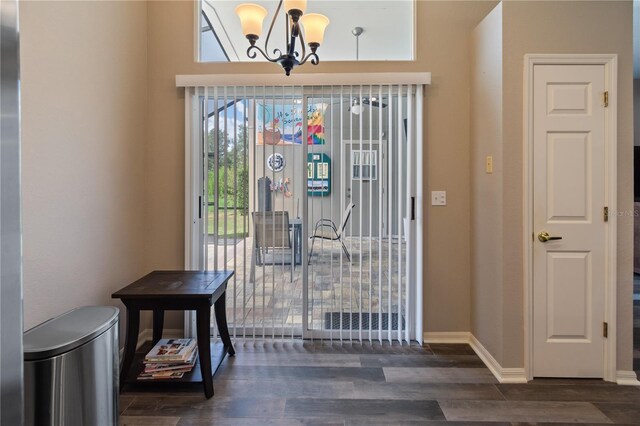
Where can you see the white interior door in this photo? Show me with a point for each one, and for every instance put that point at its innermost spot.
(569, 181)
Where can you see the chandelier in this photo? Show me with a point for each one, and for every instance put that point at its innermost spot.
(252, 16)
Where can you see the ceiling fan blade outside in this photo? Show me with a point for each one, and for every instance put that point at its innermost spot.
(365, 101)
(373, 103)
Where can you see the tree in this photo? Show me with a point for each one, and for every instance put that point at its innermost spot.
(232, 164)
(222, 147)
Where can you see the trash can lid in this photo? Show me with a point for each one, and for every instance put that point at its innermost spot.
(68, 331)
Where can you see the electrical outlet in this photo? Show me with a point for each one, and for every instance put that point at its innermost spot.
(438, 198)
(489, 166)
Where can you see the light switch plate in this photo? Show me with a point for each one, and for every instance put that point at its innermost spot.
(438, 198)
(489, 166)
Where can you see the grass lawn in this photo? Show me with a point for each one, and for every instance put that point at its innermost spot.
(234, 229)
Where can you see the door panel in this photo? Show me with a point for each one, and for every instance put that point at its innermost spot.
(568, 168)
(569, 197)
(358, 283)
(568, 284)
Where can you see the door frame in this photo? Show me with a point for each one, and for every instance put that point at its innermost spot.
(609, 61)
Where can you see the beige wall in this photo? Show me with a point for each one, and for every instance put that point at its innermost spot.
(563, 27)
(486, 189)
(443, 49)
(83, 134)
(636, 113)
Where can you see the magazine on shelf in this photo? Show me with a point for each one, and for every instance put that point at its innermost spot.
(176, 368)
(172, 350)
(169, 359)
(150, 367)
(161, 375)
(192, 356)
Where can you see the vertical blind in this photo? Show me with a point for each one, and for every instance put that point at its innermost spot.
(309, 193)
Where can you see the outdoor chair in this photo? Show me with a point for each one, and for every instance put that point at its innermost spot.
(326, 229)
(272, 242)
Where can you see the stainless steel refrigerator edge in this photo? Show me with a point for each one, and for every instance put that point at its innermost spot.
(11, 364)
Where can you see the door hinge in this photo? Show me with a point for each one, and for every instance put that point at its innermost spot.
(606, 98)
(605, 329)
(605, 214)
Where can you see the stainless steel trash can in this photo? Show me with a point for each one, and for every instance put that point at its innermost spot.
(71, 366)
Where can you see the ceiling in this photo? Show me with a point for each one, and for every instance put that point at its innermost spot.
(388, 29)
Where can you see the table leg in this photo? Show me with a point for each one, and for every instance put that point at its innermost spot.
(203, 321)
(131, 341)
(158, 324)
(220, 311)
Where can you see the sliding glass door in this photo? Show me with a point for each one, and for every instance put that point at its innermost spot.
(308, 194)
(360, 220)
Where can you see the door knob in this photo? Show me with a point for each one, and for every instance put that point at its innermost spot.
(544, 237)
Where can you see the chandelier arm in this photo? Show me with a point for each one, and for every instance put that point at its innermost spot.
(286, 29)
(311, 57)
(273, 21)
(291, 46)
(251, 53)
(304, 47)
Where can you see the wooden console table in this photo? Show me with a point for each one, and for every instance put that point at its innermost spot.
(160, 291)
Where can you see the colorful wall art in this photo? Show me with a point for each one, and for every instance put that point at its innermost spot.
(282, 186)
(281, 124)
(318, 174)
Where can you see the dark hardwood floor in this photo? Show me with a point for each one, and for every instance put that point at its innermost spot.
(314, 383)
(636, 323)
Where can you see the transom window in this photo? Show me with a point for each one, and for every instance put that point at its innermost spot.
(387, 30)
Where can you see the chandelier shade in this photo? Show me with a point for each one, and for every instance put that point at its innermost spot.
(251, 18)
(295, 5)
(314, 25)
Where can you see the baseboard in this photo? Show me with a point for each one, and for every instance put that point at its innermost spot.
(513, 375)
(447, 337)
(503, 375)
(506, 375)
(627, 378)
